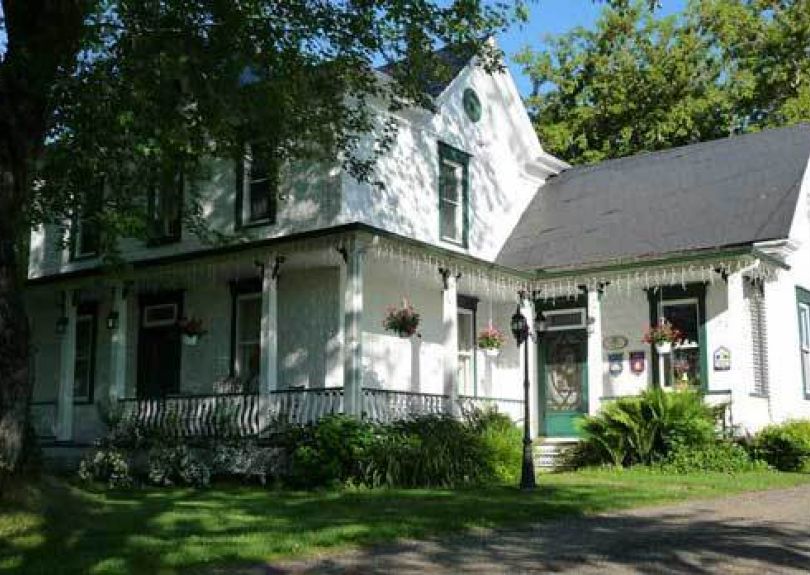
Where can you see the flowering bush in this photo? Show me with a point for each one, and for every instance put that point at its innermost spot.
(191, 327)
(664, 332)
(491, 338)
(404, 321)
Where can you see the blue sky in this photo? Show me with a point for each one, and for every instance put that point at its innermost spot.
(557, 17)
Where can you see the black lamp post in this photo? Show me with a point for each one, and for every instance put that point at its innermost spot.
(520, 330)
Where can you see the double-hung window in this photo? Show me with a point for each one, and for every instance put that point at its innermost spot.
(165, 209)
(453, 195)
(803, 303)
(86, 230)
(84, 359)
(256, 189)
(248, 339)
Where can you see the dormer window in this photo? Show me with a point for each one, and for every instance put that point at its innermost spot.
(85, 237)
(256, 189)
(165, 207)
(453, 195)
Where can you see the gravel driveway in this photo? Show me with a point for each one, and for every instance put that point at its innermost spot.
(763, 533)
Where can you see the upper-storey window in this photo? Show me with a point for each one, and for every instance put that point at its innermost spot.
(256, 189)
(453, 195)
(86, 230)
(165, 208)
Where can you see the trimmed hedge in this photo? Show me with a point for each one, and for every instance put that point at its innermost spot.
(785, 446)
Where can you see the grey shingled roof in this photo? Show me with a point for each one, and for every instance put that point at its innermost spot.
(451, 60)
(734, 191)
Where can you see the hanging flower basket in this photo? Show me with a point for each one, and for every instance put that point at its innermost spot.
(662, 336)
(403, 320)
(191, 330)
(491, 340)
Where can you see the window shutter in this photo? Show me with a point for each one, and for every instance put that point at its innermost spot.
(754, 294)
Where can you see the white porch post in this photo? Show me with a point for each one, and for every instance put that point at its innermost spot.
(595, 360)
(118, 344)
(450, 339)
(527, 309)
(353, 329)
(268, 365)
(67, 357)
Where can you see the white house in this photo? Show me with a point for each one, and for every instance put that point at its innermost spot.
(475, 220)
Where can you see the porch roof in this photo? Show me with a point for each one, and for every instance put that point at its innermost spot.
(731, 192)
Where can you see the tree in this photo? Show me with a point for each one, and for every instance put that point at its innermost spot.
(105, 94)
(639, 83)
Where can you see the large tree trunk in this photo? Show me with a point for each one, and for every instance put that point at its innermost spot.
(15, 388)
(43, 38)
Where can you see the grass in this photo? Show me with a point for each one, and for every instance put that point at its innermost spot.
(56, 527)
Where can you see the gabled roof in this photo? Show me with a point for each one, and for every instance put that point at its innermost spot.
(734, 191)
(451, 61)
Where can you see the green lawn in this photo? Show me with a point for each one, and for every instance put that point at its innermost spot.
(59, 528)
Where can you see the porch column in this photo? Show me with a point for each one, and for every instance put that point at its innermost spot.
(268, 342)
(595, 360)
(118, 343)
(67, 366)
(450, 339)
(353, 329)
(527, 309)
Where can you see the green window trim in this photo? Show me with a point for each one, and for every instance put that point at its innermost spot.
(803, 302)
(691, 291)
(450, 154)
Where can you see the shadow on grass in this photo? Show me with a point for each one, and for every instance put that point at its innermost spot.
(227, 529)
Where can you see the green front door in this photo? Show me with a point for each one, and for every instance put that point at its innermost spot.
(564, 373)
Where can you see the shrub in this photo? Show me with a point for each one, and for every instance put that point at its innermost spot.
(720, 456)
(502, 443)
(329, 453)
(785, 446)
(109, 466)
(243, 459)
(177, 464)
(647, 428)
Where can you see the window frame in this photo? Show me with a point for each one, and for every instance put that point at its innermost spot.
(671, 294)
(86, 312)
(156, 191)
(803, 302)
(240, 288)
(77, 226)
(243, 194)
(239, 343)
(452, 156)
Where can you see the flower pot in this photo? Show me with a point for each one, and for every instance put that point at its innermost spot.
(190, 340)
(492, 351)
(663, 347)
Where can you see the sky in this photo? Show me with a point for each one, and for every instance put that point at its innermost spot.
(546, 17)
(557, 17)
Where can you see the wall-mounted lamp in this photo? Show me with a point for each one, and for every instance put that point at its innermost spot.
(112, 320)
(61, 325)
(540, 323)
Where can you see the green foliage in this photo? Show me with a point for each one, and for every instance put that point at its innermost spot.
(640, 83)
(647, 428)
(329, 453)
(785, 446)
(719, 456)
(425, 451)
(177, 464)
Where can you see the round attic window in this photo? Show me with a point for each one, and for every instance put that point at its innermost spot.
(472, 105)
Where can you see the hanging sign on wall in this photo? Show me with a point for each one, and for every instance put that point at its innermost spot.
(637, 362)
(722, 359)
(614, 342)
(615, 363)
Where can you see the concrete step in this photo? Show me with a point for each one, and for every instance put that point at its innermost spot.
(548, 453)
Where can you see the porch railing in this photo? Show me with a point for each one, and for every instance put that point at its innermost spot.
(511, 407)
(249, 415)
(385, 405)
(232, 414)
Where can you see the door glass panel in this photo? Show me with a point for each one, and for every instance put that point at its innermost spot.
(565, 372)
(466, 346)
(683, 367)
